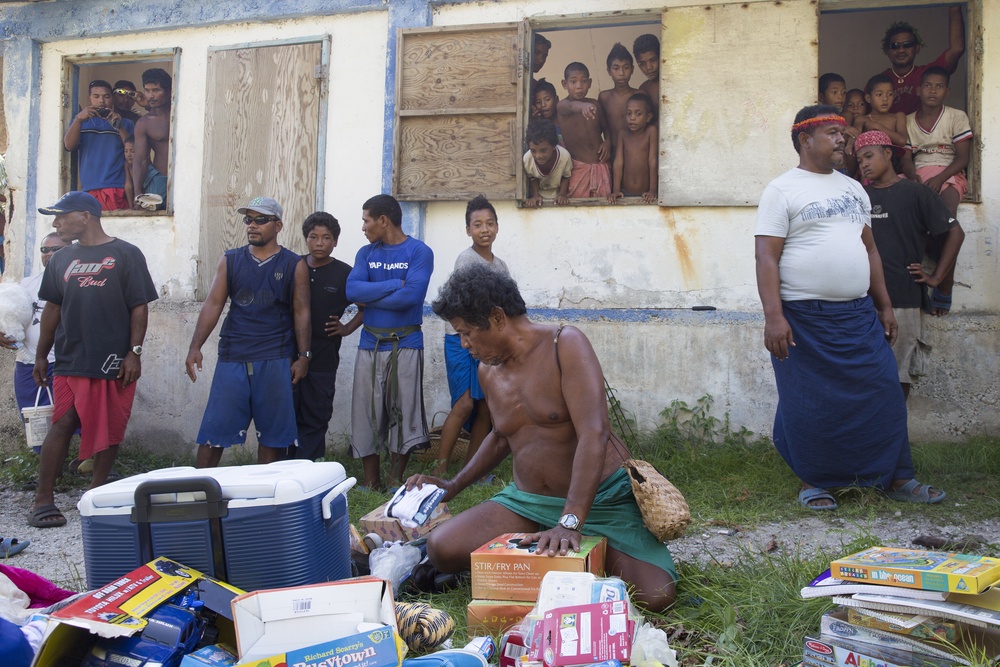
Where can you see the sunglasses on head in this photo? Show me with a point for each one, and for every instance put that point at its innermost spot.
(909, 44)
(258, 220)
(46, 249)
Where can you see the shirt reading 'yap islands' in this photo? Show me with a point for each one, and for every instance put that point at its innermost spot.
(821, 217)
(96, 288)
(391, 281)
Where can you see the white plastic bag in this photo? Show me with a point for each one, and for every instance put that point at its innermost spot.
(393, 562)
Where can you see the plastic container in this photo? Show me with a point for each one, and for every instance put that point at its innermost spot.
(256, 526)
(37, 421)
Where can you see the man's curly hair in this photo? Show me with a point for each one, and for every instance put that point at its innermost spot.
(897, 28)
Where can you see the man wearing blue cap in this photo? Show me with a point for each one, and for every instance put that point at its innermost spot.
(99, 289)
(267, 326)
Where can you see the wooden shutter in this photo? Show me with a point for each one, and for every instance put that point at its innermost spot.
(458, 112)
(733, 77)
(261, 139)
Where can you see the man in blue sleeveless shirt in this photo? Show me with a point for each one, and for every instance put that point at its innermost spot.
(266, 328)
(390, 278)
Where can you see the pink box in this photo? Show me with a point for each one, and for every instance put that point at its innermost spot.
(586, 634)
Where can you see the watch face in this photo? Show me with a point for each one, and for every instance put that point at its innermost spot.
(569, 521)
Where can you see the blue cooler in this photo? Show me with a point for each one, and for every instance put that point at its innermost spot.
(255, 526)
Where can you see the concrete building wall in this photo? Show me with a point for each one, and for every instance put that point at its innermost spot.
(627, 276)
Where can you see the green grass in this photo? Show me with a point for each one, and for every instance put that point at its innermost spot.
(745, 613)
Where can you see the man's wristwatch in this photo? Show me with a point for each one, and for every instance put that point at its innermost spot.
(570, 522)
(137, 350)
(307, 354)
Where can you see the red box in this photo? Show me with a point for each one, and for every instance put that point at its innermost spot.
(586, 634)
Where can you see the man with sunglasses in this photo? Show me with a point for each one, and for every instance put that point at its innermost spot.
(901, 44)
(264, 344)
(25, 389)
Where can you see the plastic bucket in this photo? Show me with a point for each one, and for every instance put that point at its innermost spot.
(37, 420)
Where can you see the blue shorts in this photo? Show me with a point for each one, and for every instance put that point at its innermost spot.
(463, 370)
(242, 391)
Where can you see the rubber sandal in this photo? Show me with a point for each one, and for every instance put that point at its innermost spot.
(905, 493)
(47, 516)
(11, 546)
(808, 495)
(940, 302)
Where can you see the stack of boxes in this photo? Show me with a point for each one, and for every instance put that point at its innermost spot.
(506, 578)
(907, 607)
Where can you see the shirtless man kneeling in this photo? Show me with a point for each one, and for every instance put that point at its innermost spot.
(545, 390)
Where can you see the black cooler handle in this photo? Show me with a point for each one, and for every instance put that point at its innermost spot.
(212, 509)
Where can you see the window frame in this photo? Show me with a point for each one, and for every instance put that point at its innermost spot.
(533, 24)
(973, 64)
(70, 95)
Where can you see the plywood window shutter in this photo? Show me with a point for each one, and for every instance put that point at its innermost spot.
(458, 112)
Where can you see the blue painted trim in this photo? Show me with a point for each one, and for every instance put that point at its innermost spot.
(402, 14)
(29, 92)
(637, 315)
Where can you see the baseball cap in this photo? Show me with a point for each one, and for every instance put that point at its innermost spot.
(873, 138)
(264, 205)
(74, 201)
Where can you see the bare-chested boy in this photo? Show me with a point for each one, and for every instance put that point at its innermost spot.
(545, 389)
(584, 131)
(620, 68)
(635, 166)
(646, 49)
(152, 134)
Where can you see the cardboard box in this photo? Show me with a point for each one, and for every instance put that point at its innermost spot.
(315, 618)
(494, 617)
(391, 530)
(120, 610)
(827, 651)
(587, 634)
(504, 570)
(916, 568)
(380, 647)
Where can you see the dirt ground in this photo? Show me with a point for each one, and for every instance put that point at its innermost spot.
(57, 553)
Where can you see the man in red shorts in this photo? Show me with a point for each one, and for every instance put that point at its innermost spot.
(99, 290)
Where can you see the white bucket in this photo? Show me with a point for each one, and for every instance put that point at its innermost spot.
(37, 420)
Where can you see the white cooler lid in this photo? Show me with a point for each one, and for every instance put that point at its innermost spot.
(279, 483)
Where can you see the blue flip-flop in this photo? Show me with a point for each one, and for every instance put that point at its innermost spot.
(940, 301)
(906, 493)
(808, 495)
(11, 546)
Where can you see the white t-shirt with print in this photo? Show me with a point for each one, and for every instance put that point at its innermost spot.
(821, 217)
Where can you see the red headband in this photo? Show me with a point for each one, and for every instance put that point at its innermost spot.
(818, 120)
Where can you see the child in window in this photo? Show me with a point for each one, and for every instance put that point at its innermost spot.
(635, 166)
(129, 145)
(584, 129)
(880, 95)
(646, 49)
(613, 101)
(855, 105)
(543, 103)
(940, 137)
(547, 164)
(832, 90)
